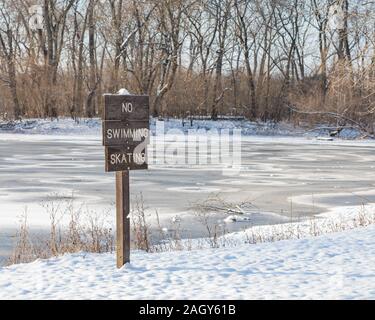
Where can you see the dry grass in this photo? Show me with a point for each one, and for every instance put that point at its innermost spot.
(71, 230)
(140, 225)
(74, 229)
(315, 227)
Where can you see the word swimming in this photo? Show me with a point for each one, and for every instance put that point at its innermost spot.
(125, 133)
(128, 158)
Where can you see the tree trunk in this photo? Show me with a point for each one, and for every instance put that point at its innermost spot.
(253, 108)
(9, 55)
(90, 104)
(217, 85)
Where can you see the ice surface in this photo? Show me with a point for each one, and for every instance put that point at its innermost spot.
(287, 175)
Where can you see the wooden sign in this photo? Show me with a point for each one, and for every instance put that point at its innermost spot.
(126, 133)
(126, 126)
(126, 108)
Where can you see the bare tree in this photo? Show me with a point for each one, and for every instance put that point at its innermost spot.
(8, 47)
(55, 18)
(170, 13)
(262, 58)
(221, 11)
(204, 27)
(93, 77)
(321, 14)
(247, 37)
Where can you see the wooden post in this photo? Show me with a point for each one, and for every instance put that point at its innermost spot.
(126, 132)
(122, 218)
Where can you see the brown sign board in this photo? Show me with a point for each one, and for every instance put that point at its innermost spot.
(126, 132)
(126, 108)
(126, 158)
(121, 133)
(125, 137)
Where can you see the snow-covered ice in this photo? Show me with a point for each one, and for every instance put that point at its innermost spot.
(37, 167)
(336, 266)
(291, 167)
(283, 173)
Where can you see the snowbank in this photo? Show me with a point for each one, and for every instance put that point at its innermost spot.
(70, 127)
(337, 266)
(334, 220)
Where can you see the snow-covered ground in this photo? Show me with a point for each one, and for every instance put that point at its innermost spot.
(67, 126)
(336, 266)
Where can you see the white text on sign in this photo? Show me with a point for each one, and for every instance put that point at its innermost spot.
(134, 134)
(128, 158)
(127, 107)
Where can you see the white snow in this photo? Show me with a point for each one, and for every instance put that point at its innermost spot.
(325, 138)
(87, 127)
(337, 266)
(236, 218)
(123, 91)
(333, 220)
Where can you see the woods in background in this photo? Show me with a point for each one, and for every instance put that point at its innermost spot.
(268, 60)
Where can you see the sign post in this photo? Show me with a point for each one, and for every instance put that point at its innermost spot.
(122, 218)
(126, 133)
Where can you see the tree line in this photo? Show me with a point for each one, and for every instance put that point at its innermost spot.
(268, 60)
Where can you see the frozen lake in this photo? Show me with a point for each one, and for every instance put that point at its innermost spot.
(284, 178)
